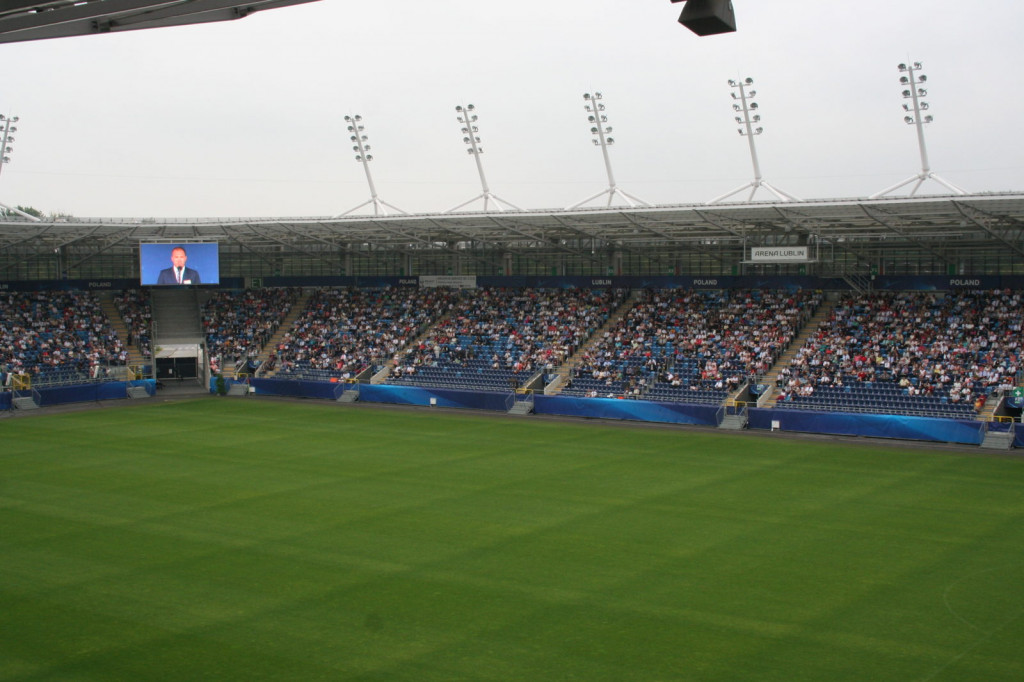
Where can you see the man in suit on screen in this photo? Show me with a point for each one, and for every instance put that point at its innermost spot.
(178, 273)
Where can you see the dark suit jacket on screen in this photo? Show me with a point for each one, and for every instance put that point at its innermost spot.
(190, 276)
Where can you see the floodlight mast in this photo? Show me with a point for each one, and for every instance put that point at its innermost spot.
(748, 108)
(601, 139)
(362, 149)
(469, 130)
(914, 93)
(6, 128)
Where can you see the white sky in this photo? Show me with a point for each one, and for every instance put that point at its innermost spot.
(245, 118)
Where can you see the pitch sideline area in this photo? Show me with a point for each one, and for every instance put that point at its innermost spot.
(248, 540)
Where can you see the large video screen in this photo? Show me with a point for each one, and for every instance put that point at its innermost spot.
(184, 264)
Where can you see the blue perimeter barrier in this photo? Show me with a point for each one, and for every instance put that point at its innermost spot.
(897, 427)
(394, 395)
(543, 405)
(871, 425)
(324, 390)
(631, 410)
(596, 408)
(80, 393)
(439, 397)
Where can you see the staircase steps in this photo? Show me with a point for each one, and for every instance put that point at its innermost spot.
(823, 312)
(522, 407)
(382, 376)
(26, 403)
(998, 440)
(565, 370)
(109, 308)
(734, 422)
(989, 410)
(176, 317)
(298, 309)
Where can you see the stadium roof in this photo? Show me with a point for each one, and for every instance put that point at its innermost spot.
(945, 226)
(22, 20)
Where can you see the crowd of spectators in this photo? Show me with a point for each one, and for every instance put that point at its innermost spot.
(512, 333)
(134, 308)
(345, 331)
(692, 340)
(958, 346)
(56, 335)
(238, 324)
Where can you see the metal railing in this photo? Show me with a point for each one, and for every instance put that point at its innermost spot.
(861, 409)
(1005, 425)
(527, 395)
(860, 283)
(744, 414)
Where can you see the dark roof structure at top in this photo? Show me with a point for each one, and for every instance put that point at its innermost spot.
(22, 20)
(948, 227)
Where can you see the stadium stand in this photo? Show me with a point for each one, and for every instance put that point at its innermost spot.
(928, 354)
(917, 353)
(133, 305)
(56, 337)
(344, 332)
(692, 346)
(238, 324)
(497, 339)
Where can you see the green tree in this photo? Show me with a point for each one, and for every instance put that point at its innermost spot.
(20, 210)
(34, 212)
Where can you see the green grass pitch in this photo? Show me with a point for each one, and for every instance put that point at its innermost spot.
(226, 539)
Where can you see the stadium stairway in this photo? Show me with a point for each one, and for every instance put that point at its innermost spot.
(286, 326)
(109, 308)
(348, 397)
(733, 398)
(25, 403)
(988, 412)
(820, 315)
(733, 422)
(382, 376)
(522, 407)
(176, 316)
(238, 390)
(556, 385)
(998, 440)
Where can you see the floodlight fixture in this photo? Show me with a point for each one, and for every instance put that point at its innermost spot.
(601, 132)
(911, 81)
(6, 128)
(744, 105)
(6, 139)
(363, 156)
(469, 130)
